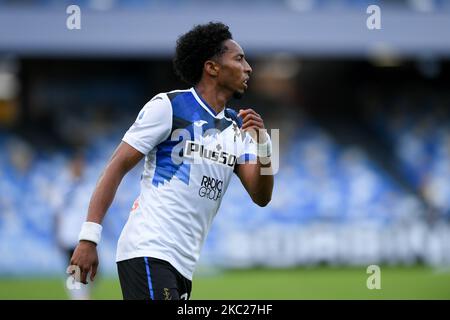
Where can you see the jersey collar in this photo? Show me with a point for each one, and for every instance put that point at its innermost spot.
(205, 105)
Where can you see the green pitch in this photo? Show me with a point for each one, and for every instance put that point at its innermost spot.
(300, 283)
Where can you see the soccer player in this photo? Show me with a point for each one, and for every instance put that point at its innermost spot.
(192, 145)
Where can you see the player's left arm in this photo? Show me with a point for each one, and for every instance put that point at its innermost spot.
(258, 186)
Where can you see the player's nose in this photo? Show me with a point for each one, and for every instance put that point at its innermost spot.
(248, 69)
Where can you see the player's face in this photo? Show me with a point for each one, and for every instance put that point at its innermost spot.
(234, 69)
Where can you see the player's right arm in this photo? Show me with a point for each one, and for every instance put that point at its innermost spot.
(123, 160)
(152, 126)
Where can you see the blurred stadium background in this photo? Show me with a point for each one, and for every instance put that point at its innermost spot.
(364, 119)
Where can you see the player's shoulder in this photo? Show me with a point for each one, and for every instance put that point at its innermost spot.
(162, 100)
(232, 115)
(158, 106)
(167, 97)
(171, 95)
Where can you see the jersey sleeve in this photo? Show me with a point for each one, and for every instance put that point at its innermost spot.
(152, 125)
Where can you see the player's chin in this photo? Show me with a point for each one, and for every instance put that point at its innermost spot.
(238, 94)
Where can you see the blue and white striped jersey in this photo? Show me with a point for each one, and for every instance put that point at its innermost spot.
(190, 155)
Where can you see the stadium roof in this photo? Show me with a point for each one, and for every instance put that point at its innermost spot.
(260, 29)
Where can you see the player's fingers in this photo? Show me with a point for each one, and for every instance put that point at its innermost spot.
(252, 116)
(252, 124)
(83, 275)
(93, 271)
(247, 111)
(243, 112)
(73, 268)
(256, 127)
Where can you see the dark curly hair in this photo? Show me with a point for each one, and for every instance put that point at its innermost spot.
(201, 43)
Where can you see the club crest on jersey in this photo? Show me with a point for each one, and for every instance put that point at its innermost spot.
(197, 151)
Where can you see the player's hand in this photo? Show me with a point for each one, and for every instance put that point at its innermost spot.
(253, 124)
(86, 258)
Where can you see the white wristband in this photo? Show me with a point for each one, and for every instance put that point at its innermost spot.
(90, 231)
(264, 150)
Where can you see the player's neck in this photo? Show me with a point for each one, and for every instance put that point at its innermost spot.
(215, 98)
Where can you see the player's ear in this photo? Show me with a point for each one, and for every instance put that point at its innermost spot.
(212, 68)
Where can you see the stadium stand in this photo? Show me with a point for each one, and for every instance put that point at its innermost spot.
(333, 203)
(324, 192)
